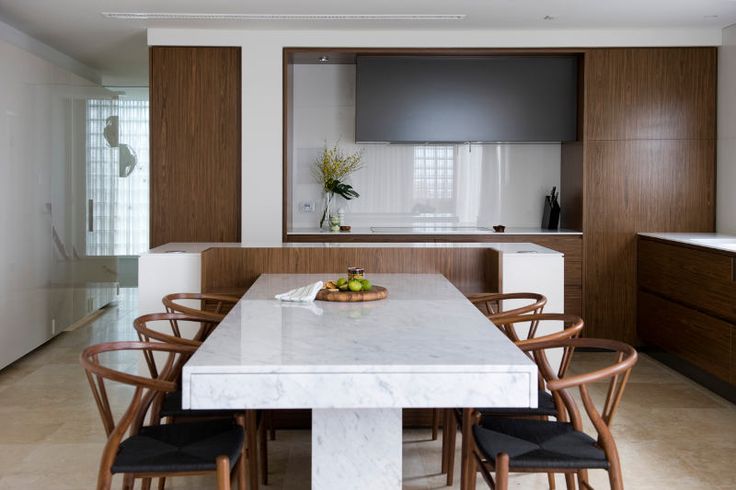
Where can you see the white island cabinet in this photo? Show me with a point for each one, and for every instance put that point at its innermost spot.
(356, 365)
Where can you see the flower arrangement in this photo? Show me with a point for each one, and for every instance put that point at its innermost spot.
(330, 170)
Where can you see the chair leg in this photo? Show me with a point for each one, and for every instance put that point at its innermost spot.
(466, 445)
(263, 452)
(435, 423)
(445, 442)
(128, 482)
(570, 481)
(162, 483)
(472, 470)
(502, 471)
(251, 436)
(583, 480)
(241, 471)
(551, 480)
(222, 472)
(451, 444)
(614, 475)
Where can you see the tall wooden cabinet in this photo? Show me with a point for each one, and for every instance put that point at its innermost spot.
(195, 144)
(648, 165)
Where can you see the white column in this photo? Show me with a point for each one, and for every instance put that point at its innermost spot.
(358, 449)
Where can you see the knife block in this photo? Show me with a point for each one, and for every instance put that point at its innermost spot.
(551, 214)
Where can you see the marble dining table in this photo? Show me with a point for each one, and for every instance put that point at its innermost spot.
(356, 366)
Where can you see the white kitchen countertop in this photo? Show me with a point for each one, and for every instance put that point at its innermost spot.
(715, 241)
(429, 230)
(504, 247)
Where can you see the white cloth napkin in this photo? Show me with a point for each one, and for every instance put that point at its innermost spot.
(304, 294)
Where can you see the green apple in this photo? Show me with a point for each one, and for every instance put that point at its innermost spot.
(367, 286)
(355, 285)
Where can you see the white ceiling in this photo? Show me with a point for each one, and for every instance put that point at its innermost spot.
(117, 48)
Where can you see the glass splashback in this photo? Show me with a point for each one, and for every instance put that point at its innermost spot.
(476, 185)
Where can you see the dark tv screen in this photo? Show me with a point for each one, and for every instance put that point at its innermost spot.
(448, 99)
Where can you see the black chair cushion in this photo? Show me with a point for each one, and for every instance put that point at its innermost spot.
(179, 447)
(171, 407)
(538, 444)
(545, 407)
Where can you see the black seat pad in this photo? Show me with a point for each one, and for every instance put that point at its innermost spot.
(179, 447)
(545, 407)
(171, 407)
(538, 444)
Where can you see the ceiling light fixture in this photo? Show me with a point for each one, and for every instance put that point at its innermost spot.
(267, 17)
(324, 59)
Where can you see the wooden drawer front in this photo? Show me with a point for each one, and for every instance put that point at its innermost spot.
(704, 280)
(696, 337)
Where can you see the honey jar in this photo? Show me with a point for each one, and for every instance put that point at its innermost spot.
(355, 273)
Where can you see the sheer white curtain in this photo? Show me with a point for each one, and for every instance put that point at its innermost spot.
(117, 177)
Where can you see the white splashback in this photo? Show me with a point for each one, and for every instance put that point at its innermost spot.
(485, 184)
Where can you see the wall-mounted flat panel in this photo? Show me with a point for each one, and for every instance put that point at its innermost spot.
(195, 144)
(456, 99)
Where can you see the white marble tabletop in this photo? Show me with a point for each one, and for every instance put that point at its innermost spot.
(357, 365)
(425, 345)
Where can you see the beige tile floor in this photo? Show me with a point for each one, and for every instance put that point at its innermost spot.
(671, 433)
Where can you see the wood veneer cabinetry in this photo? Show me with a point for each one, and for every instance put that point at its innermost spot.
(648, 164)
(644, 161)
(687, 304)
(195, 144)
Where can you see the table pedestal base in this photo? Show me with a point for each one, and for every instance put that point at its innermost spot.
(356, 449)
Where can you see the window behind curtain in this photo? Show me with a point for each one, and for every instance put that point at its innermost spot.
(119, 204)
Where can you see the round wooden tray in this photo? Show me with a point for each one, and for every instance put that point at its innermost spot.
(376, 293)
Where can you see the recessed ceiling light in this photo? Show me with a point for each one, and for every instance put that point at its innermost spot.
(214, 16)
(324, 59)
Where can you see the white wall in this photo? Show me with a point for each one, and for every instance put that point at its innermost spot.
(487, 184)
(726, 172)
(41, 143)
(262, 88)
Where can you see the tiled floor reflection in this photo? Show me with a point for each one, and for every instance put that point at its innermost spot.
(672, 433)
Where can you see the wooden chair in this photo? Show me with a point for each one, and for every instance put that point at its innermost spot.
(503, 445)
(215, 307)
(491, 305)
(212, 306)
(158, 450)
(572, 326)
(169, 406)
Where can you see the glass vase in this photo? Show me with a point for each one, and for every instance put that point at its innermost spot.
(324, 222)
